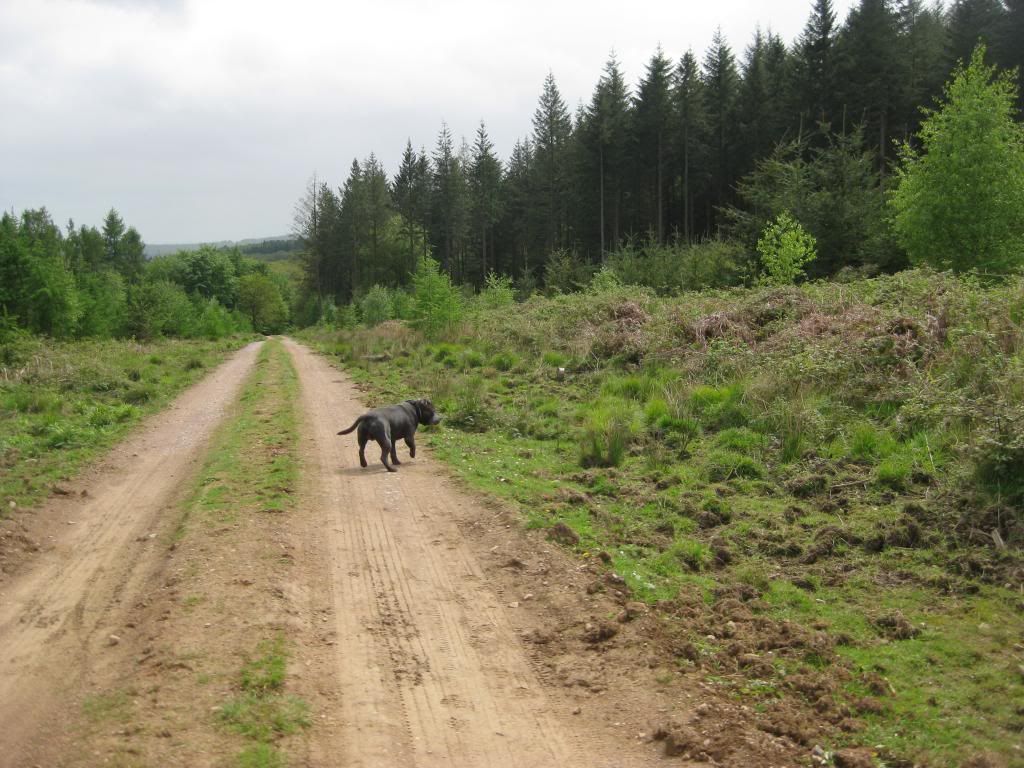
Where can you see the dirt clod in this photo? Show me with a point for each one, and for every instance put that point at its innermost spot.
(563, 534)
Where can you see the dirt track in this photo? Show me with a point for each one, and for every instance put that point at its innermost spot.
(429, 628)
(95, 553)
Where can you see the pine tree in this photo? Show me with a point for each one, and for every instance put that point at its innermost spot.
(814, 68)
(721, 82)
(871, 71)
(552, 130)
(377, 213)
(1010, 43)
(125, 251)
(518, 195)
(352, 225)
(924, 39)
(653, 117)
(449, 201)
(405, 194)
(690, 149)
(971, 22)
(604, 137)
(485, 189)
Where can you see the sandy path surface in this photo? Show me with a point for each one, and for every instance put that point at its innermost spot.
(97, 547)
(428, 668)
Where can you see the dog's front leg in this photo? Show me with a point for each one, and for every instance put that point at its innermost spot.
(411, 442)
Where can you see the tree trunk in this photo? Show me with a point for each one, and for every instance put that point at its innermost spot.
(602, 203)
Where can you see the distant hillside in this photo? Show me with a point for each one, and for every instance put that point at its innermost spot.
(264, 248)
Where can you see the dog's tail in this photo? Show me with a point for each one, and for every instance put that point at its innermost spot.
(354, 425)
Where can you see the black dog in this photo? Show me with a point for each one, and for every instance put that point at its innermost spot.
(391, 424)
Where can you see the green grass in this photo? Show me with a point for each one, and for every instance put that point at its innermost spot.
(829, 468)
(64, 403)
(253, 464)
(260, 710)
(114, 707)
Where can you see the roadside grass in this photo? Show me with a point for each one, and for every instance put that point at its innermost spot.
(64, 403)
(839, 456)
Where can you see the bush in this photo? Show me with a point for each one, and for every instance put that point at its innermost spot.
(785, 247)
(160, 308)
(438, 304)
(376, 306)
(670, 269)
(724, 465)
(498, 292)
(465, 406)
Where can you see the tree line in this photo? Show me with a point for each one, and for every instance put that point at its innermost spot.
(89, 282)
(698, 150)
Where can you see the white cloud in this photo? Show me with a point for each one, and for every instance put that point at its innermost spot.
(202, 119)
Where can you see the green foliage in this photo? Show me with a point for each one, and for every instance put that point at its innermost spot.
(719, 407)
(830, 184)
(159, 308)
(438, 304)
(376, 306)
(565, 272)
(960, 200)
(498, 293)
(260, 299)
(671, 269)
(785, 248)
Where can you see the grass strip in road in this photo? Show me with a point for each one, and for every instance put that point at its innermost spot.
(253, 468)
(64, 403)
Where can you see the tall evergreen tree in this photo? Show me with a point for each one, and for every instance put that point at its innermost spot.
(449, 201)
(924, 39)
(377, 212)
(125, 251)
(516, 222)
(871, 72)
(604, 136)
(972, 22)
(762, 119)
(552, 130)
(690, 149)
(721, 85)
(814, 68)
(406, 193)
(653, 117)
(485, 189)
(1010, 43)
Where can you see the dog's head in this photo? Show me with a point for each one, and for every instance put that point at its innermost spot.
(425, 412)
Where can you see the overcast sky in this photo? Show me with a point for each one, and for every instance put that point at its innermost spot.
(203, 120)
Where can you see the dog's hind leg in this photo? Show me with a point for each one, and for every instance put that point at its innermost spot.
(385, 448)
(363, 439)
(394, 454)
